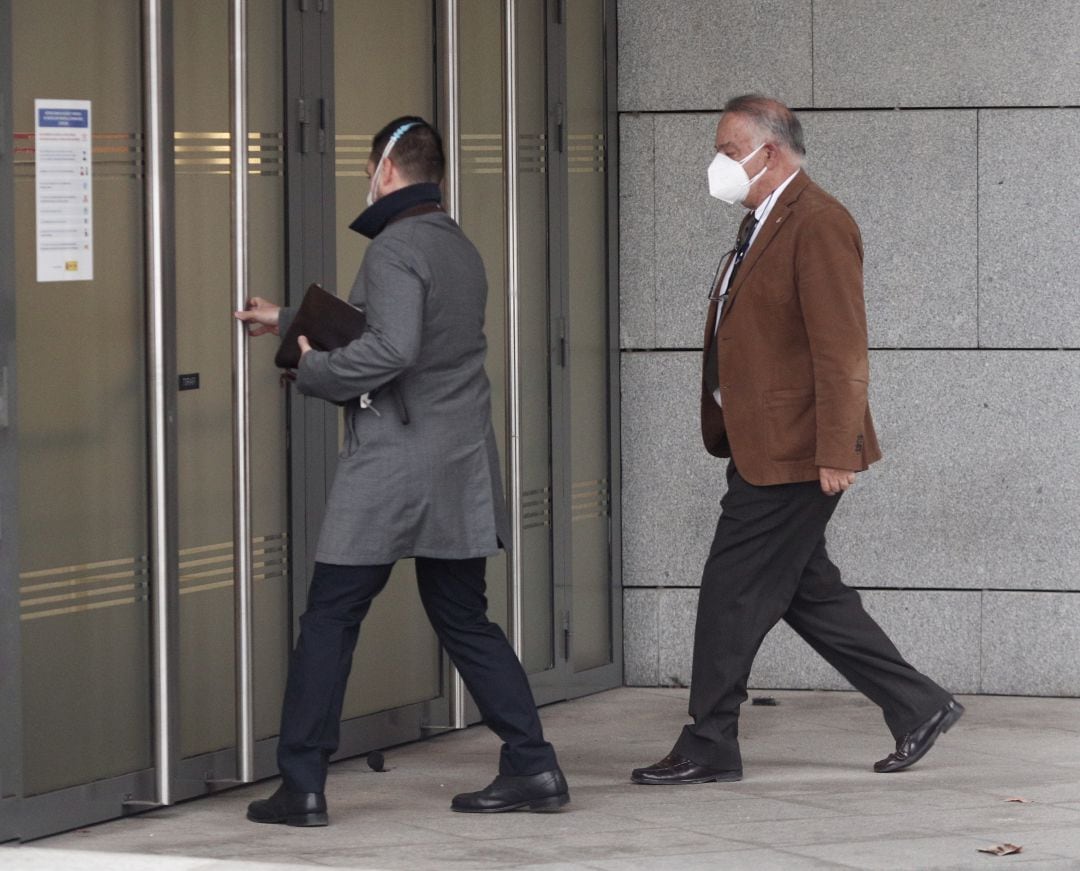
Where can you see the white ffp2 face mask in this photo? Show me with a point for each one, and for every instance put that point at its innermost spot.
(728, 180)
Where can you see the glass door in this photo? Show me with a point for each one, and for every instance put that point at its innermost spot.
(535, 197)
(10, 636)
(384, 67)
(532, 190)
(592, 601)
(89, 670)
(482, 215)
(535, 349)
(81, 426)
(206, 499)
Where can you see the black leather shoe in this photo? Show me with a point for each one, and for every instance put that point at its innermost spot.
(676, 770)
(290, 808)
(543, 792)
(917, 743)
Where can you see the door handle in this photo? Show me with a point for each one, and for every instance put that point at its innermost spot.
(242, 558)
(160, 316)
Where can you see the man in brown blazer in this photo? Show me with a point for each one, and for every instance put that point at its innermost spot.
(784, 395)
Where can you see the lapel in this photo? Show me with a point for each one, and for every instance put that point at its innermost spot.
(710, 333)
(777, 217)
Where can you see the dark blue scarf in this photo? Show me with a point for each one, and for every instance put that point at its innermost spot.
(374, 219)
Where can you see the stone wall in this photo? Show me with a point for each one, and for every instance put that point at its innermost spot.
(951, 132)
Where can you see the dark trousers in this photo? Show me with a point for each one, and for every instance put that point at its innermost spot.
(452, 592)
(768, 562)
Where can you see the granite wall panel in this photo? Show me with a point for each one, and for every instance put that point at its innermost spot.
(694, 54)
(693, 230)
(909, 180)
(960, 53)
(637, 233)
(671, 487)
(677, 613)
(640, 637)
(1030, 643)
(920, 272)
(1029, 259)
(938, 632)
(980, 484)
(965, 532)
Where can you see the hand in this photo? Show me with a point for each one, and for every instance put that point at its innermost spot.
(835, 481)
(260, 316)
(304, 344)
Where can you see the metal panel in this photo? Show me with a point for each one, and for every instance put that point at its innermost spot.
(10, 644)
(482, 215)
(309, 211)
(560, 357)
(399, 76)
(107, 799)
(82, 417)
(533, 340)
(588, 451)
(591, 680)
(207, 344)
(587, 447)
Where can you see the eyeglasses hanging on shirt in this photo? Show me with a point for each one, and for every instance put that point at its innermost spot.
(734, 257)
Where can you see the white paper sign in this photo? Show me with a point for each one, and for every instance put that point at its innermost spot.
(65, 191)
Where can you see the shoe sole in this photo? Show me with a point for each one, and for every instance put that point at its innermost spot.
(946, 724)
(718, 778)
(548, 805)
(298, 820)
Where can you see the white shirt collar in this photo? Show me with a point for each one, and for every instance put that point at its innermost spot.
(762, 211)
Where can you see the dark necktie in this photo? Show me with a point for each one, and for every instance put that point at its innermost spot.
(742, 245)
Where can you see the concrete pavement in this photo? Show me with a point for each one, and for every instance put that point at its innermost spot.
(809, 800)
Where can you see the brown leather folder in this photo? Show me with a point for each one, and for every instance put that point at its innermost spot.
(328, 323)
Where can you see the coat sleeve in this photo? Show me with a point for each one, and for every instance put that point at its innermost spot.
(829, 282)
(285, 319)
(391, 342)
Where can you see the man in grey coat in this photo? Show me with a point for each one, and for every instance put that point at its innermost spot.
(418, 476)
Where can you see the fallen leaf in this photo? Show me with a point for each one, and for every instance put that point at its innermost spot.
(1001, 849)
(1019, 800)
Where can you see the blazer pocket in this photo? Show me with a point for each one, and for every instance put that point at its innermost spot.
(790, 425)
(777, 293)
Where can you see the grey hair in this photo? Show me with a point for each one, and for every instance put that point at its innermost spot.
(773, 117)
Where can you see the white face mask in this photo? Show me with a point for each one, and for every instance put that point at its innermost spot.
(394, 137)
(728, 180)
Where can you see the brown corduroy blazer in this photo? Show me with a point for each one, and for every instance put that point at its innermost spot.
(792, 358)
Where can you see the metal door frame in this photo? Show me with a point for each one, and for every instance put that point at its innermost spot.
(553, 684)
(607, 676)
(10, 647)
(562, 682)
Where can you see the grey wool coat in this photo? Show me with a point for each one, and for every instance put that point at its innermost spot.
(430, 487)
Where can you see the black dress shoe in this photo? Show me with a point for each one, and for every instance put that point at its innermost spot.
(916, 744)
(290, 808)
(543, 792)
(675, 770)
